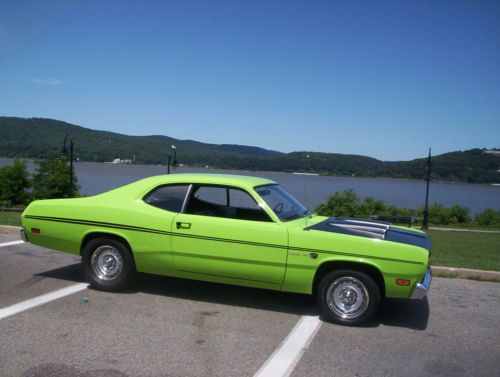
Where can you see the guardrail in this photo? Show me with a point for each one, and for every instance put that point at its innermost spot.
(408, 220)
(11, 209)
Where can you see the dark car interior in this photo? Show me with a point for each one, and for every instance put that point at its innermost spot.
(197, 206)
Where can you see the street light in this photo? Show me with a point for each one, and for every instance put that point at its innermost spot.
(65, 152)
(425, 222)
(171, 162)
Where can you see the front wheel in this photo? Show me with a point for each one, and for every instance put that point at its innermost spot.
(348, 297)
(107, 264)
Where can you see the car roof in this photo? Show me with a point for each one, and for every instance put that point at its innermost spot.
(243, 181)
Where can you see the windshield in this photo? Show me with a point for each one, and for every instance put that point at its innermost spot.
(284, 205)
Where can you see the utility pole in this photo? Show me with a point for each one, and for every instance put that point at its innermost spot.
(425, 223)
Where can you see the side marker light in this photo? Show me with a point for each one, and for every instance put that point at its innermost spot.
(403, 282)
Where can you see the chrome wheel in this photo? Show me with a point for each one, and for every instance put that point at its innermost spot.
(106, 263)
(347, 297)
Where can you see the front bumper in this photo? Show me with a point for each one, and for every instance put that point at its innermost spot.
(422, 287)
(22, 233)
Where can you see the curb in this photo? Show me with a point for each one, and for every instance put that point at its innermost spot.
(465, 273)
(437, 271)
(10, 230)
(464, 230)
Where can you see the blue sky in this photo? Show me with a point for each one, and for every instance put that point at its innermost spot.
(383, 79)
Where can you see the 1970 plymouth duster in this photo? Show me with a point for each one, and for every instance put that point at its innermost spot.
(235, 230)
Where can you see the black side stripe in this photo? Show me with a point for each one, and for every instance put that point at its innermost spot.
(99, 223)
(149, 230)
(241, 242)
(351, 255)
(196, 236)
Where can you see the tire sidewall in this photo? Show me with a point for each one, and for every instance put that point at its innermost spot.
(127, 270)
(371, 287)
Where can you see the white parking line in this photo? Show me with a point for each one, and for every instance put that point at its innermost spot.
(40, 300)
(11, 243)
(286, 356)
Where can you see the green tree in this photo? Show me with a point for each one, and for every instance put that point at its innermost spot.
(14, 184)
(341, 204)
(51, 179)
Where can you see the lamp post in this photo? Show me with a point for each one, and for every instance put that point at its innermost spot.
(306, 166)
(171, 162)
(65, 152)
(425, 222)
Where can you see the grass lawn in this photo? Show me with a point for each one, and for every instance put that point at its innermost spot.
(466, 249)
(10, 218)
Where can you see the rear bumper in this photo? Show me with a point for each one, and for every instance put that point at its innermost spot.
(422, 287)
(23, 235)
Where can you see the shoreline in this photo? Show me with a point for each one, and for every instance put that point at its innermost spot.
(32, 160)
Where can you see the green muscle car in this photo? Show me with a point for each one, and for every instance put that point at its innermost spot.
(235, 230)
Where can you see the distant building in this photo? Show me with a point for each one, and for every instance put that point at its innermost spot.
(494, 152)
(118, 161)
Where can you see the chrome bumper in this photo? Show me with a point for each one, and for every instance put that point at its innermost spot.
(23, 235)
(422, 287)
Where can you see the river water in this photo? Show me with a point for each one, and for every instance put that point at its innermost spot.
(311, 190)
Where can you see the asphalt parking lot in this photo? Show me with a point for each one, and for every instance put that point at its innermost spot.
(171, 327)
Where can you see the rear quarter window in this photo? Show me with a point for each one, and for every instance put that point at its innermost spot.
(170, 198)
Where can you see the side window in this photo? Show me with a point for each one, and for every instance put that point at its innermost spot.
(169, 198)
(225, 202)
(241, 199)
(214, 195)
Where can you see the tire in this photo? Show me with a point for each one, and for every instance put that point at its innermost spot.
(348, 297)
(107, 264)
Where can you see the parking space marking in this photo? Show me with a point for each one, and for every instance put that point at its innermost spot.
(40, 300)
(11, 243)
(286, 356)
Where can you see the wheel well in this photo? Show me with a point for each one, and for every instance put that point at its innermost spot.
(371, 271)
(94, 235)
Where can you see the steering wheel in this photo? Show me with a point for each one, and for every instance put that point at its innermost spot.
(278, 208)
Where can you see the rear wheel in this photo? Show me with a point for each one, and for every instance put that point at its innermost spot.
(348, 297)
(107, 264)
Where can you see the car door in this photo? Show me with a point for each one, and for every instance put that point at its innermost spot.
(224, 234)
(160, 207)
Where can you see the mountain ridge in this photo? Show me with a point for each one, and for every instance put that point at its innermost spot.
(39, 137)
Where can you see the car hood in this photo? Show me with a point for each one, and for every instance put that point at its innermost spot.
(373, 229)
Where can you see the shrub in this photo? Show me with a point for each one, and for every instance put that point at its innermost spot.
(341, 204)
(371, 206)
(459, 214)
(488, 217)
(439, 214)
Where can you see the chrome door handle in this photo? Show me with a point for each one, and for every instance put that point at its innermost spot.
(181, 225)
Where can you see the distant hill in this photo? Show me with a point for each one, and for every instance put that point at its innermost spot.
(39, 137)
